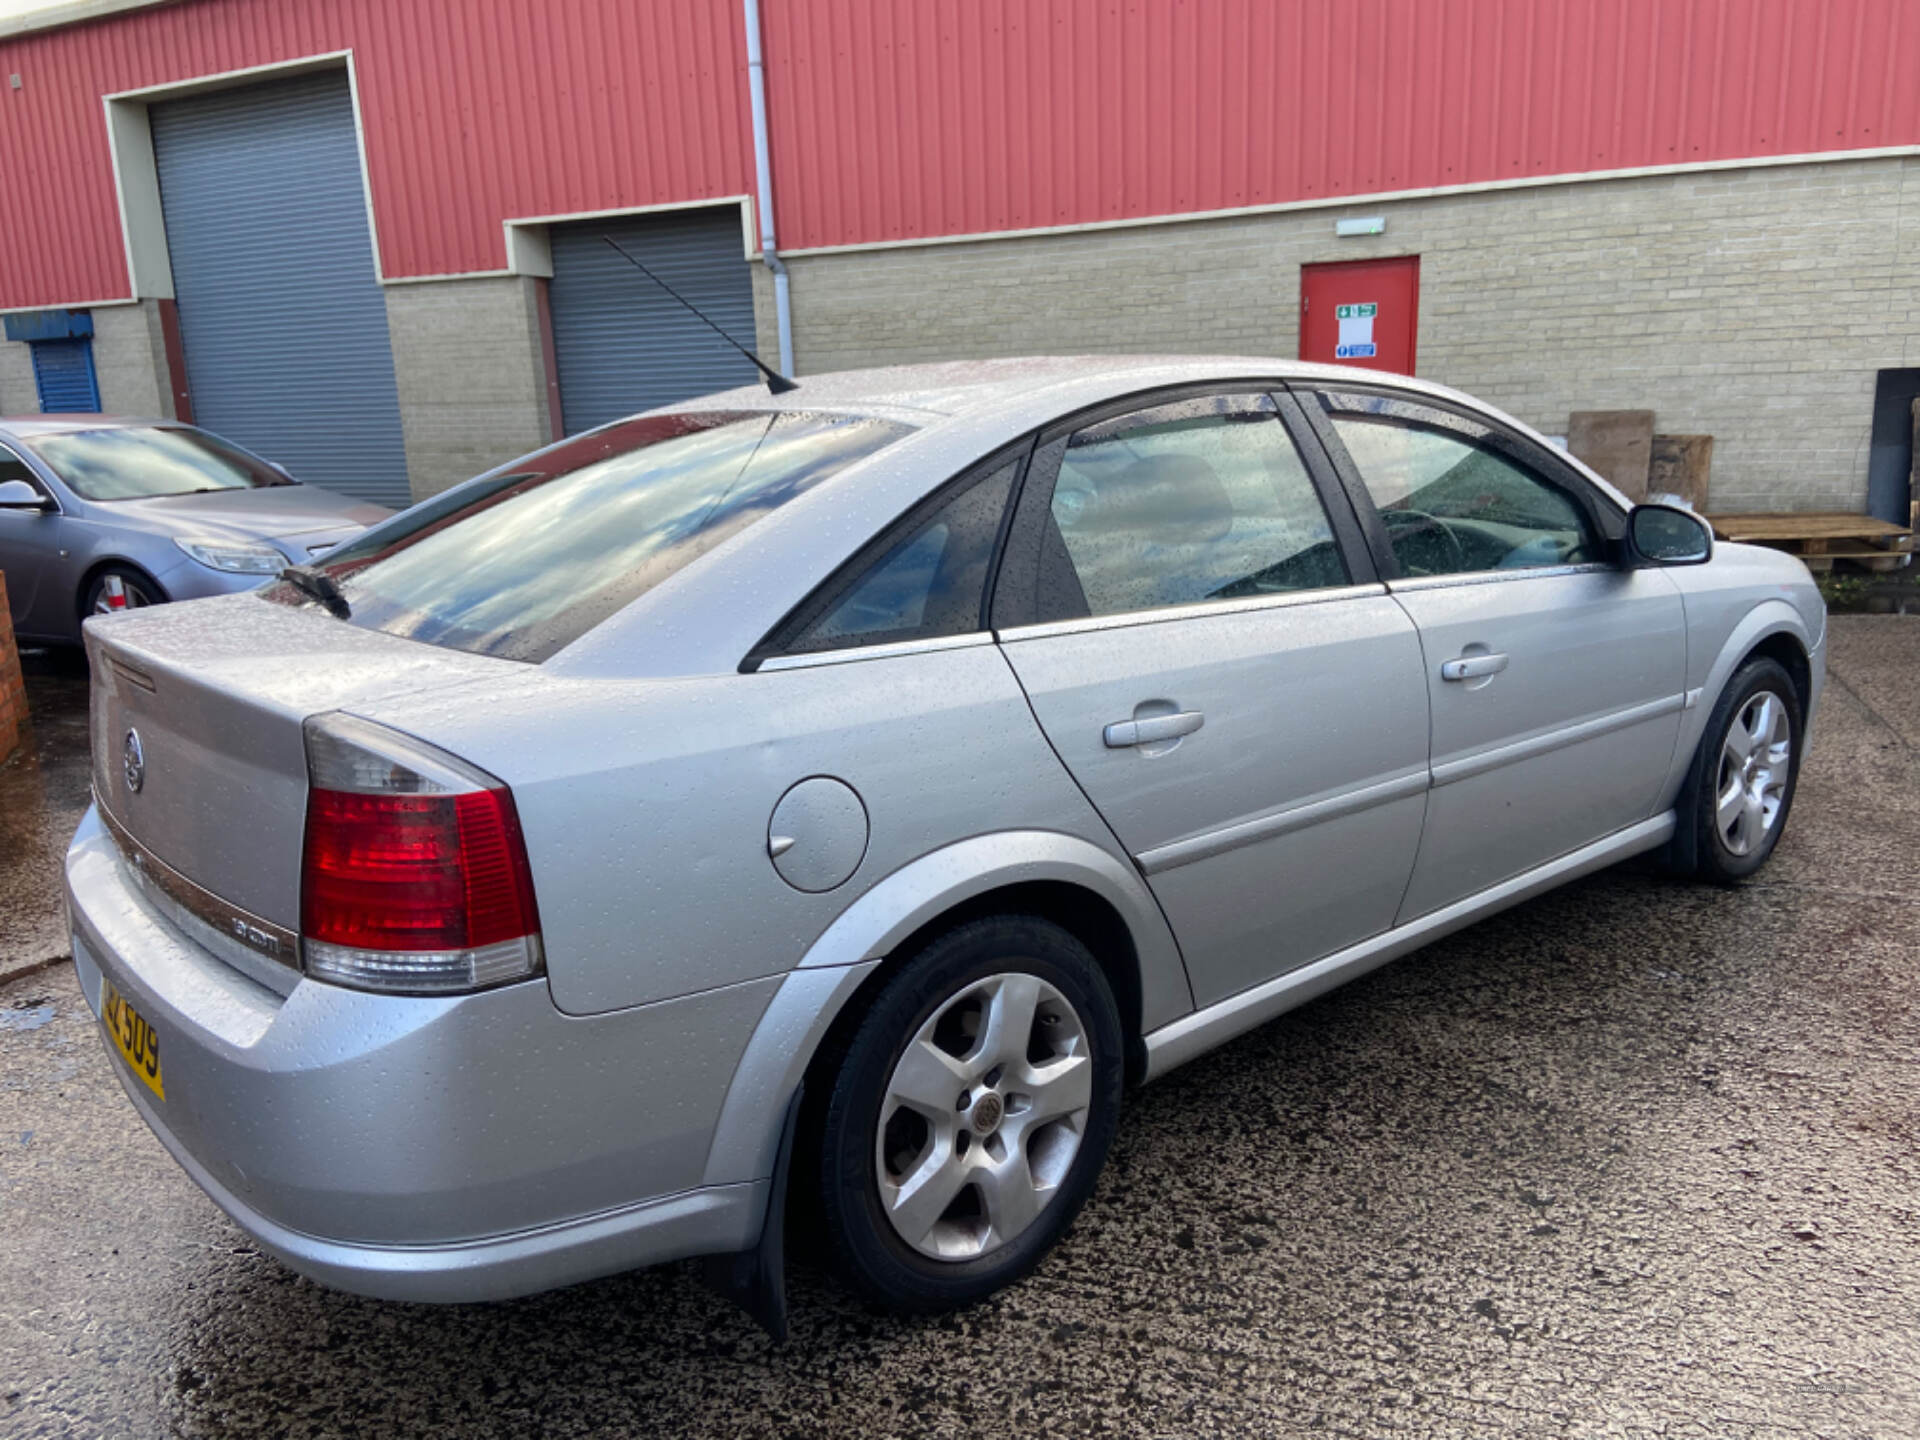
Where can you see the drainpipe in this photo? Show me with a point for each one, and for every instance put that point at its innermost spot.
(763, 176)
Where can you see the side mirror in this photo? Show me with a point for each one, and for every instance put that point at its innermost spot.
(1668, 535)
(19, 495)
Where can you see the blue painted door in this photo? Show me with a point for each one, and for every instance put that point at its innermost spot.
(63, 374)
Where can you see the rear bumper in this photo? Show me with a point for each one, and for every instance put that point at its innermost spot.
(443, 1149)
(708, 1220)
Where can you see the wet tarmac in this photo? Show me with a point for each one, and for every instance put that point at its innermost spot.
(43, 793)
(1638, 1158)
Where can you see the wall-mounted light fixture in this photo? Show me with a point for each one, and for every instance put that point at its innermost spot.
(1371, 225)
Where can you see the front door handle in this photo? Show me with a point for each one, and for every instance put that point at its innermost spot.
(1472, 667)
(1123, 733)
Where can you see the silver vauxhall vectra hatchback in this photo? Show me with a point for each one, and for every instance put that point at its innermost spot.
(843, 795)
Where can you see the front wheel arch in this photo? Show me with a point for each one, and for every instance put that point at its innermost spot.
(1783, 647)
(100, 568)
(1682, 855)
(1772, 627)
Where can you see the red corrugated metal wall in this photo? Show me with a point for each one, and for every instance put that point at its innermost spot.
(924, 117)
(472, 110)
(896, 119)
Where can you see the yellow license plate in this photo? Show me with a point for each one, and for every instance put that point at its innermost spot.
(132, 1036)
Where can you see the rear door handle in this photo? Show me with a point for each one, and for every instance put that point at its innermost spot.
(1472, 667)
(1123, 733)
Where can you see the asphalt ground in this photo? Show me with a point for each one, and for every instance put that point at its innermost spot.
(43, 793)
(1637, 1158)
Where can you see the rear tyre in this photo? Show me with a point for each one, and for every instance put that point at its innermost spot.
(116, 589)
(970, 1114)
(1745, 772)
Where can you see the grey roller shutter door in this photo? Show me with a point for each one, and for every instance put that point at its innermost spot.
(281, 316)
(620, 342)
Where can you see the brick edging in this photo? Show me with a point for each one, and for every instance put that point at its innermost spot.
(13, 689)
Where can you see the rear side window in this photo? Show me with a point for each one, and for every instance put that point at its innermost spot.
(1197, 500)
(924, 581)
(521, 564)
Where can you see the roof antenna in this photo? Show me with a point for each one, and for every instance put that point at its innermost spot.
(776, 382)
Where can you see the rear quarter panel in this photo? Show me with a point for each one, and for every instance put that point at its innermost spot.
(646, 803)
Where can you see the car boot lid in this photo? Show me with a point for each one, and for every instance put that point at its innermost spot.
(196, 714)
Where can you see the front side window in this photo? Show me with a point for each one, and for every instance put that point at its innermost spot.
(925, 583)
(140, 462)
(12, 467)
(1193, 501)
(523, 563)
(1452, 506)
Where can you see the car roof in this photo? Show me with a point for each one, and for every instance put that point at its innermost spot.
(24, 426)
(1043, 385)
(712, 612)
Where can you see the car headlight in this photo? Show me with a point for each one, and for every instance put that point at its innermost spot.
(235, 556)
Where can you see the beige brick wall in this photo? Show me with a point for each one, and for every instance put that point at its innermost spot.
(1754, 305)
(766, 324)
(18, 395)
(472, 386)
(130, 360)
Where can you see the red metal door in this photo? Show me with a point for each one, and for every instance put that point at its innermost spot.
(1361, 312)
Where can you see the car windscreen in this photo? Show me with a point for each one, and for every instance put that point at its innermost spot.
(141, 462)
(522, 563)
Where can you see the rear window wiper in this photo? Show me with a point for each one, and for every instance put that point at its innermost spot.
(321, 586)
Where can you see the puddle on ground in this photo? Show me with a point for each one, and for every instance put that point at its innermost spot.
(27, 1014)
(44, 790)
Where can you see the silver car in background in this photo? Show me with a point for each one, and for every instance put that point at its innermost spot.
(100, 514)
(844, 794)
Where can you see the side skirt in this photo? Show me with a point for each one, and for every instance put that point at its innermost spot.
(1195, 1034)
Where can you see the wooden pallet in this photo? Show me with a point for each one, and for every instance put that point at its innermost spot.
(1820, 538)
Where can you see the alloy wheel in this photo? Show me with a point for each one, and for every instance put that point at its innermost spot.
(983, 1115)
(1755, 765)
(117, 594)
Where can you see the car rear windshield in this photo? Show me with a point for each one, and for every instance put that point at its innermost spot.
(141, 462)
(521, 564)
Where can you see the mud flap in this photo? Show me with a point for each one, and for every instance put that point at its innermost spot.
(756, 1279)
(1680, 856)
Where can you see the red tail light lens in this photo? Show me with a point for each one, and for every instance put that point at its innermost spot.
(415, 872)
(415, 875)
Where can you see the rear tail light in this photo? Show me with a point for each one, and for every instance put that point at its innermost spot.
(414, 878)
